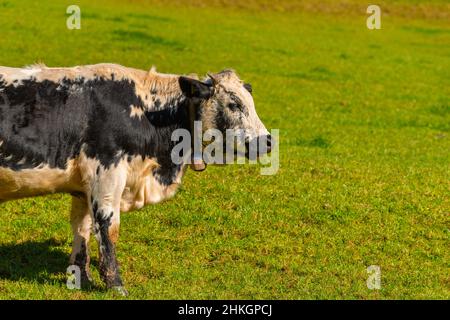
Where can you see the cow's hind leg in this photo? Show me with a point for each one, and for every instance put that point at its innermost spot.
(105, 202)
(80, 219)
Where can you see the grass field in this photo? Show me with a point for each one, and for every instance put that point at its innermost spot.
(364, 179)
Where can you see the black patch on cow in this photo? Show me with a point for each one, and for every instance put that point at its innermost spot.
(193, 88)
(40, 122)
(2, 82)
(82, 261)
(81, 256)
(235, 107)
(162, 124)
(222, 120)
(248, 87)
(108, 267)
(95, 208)
(48, 122)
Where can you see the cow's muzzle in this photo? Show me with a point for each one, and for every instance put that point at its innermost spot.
(258, 146)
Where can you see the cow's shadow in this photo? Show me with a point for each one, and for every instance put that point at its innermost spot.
(35, 261)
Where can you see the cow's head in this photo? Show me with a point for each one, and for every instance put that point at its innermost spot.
(226, 102)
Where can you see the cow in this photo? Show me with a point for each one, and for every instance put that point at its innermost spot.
(102, 133)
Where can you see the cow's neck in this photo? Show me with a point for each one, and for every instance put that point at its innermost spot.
(168, 109)
(197, 163)
(163, 123)
(160, 91)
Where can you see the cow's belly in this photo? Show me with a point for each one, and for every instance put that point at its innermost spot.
(142, 188)
(148, 191)
(37, 181)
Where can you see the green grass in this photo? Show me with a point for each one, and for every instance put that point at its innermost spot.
(364, 179)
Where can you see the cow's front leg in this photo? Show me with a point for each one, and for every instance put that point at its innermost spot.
(105, 202)
(81, 227)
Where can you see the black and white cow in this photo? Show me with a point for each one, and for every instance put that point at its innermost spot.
(102, 133)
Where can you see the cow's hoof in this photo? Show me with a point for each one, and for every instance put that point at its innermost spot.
(121, 290)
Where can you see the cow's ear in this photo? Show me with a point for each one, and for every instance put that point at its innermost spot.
(248, 86)
(195, 89)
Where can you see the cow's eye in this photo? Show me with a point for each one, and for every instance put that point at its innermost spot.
(234, 107)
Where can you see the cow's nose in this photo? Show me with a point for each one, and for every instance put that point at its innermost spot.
(269, 143)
